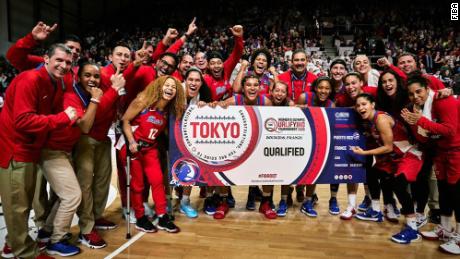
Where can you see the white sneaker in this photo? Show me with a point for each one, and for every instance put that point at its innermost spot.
(421, 220)
(453, 245)
(348, 213)
(132, 216)
(390, 213)
(438, 233)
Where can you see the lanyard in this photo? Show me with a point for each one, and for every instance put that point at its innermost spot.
(304, 82)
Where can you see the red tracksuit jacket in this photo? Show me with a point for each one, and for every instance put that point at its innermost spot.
(27, 116)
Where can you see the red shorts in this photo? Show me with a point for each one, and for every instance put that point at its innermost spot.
(447, 166)
(409, 165)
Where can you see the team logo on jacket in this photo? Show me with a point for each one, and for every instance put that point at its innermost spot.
(218, 137)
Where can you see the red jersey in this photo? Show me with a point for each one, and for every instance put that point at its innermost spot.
(26, 117)
(221, 88)
(310, 100)
(297, 85)
(239, 99)
(401, 144)
(149, 124)
(344, 100)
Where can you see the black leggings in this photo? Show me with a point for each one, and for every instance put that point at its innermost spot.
(449, 199)
(379, 180)
(420, 189)
(398, 185)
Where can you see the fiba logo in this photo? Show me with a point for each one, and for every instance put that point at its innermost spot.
(186, 172)
(454, 12)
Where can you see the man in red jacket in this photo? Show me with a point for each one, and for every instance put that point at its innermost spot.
(25, 121)
(298, 78)
(21, 57)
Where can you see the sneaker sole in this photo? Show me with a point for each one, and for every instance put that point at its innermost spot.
(91, 246)
(188, 215)
(281, 214)
(209, 213)
(363, 209)
(146, 230)
(174, 231)
(308, 214)
(334, 212)
(442, 249)
(104, 228)
(52, 252)
(10, 255)
(404, 242)
(368, 219)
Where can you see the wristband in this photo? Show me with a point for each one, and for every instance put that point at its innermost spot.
(94, 100)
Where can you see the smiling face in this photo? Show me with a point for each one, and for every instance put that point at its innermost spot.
(365, 108)
(216, 67)
(361, 64)
(58, 64)
(299, 63)
(389, 84)
(279, 93)
(200, 60)
(353, 86)
(407, 64)
(338, 71)
(260, 64)
(323, 90)
(417, 94)
(165, 65)
(169, 89)
(251, 89)
(90, 76)
(193, 84)
(185, 63)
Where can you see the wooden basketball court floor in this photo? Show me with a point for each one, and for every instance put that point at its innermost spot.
(247, 234)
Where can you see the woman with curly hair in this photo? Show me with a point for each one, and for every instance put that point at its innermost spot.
(146, 118)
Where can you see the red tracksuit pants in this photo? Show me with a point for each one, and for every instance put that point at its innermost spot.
(145, 164)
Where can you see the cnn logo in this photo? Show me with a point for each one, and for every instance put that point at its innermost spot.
(454, 12)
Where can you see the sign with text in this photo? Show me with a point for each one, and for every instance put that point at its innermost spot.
(257, 145)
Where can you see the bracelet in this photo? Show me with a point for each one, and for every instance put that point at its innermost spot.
(94, 100)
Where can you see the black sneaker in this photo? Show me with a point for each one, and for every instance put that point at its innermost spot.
(251, 202)
(434, 216)
(165, 223)
(143, 224)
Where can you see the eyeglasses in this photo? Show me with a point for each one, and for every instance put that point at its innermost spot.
(165, 63)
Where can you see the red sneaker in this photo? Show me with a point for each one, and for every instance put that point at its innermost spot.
(267, 210)
(7, 252)
(92, 240)
(221, 211)
(104, 224)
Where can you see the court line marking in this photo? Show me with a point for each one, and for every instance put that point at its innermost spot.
(125, 245)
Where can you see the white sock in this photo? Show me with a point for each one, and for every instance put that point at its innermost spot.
(266, 194)
(446, 222)
(351, 200)
(333, 194)
(412, 222)
(376, 205)
(185, 199)
(284, 197)
(307, 198)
